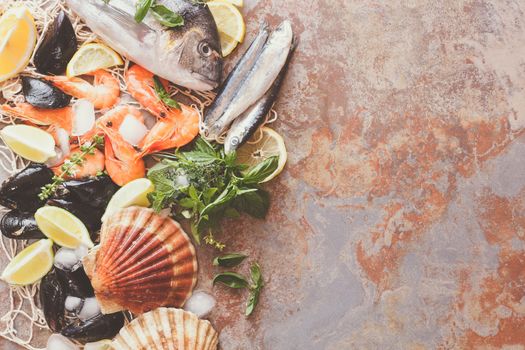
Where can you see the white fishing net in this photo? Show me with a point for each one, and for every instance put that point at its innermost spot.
(23, 317)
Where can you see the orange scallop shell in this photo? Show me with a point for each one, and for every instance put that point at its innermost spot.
(167, 329)
(144, 261)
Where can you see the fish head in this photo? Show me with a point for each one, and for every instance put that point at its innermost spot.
(201, 57)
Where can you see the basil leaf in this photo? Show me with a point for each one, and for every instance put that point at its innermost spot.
(187, 203)
(255, 204)
(200, 157)
(231, 279)
(229, 260)
(261, 171)
(228, 194)
(231, 213)
(255, 289)
(163, 94)
(204, 146)
(166, 17)
(142, 9)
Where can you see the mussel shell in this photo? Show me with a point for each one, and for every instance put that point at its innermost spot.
(19, 225)
(97, 328)
(21, 190)
(42, 94)
(75, 282)
(57, 48)
(87, 199)
(52, 299)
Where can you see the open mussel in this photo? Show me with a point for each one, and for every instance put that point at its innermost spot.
(19, 225)
(87, 199)
(42, 94)
(57, 48)
(21, 190)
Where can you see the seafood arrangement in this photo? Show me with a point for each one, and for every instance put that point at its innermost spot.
(126, 147)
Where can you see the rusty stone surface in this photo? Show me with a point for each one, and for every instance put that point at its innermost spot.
(399, 222)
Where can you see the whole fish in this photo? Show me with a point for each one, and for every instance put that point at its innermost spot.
(257, 80)
(188, 56)
(237, 75)
(245, 125)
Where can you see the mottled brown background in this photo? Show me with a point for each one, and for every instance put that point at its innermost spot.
(399, 222)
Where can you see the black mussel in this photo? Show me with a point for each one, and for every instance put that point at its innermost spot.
(21, 190)
(52, 299)
(75, 281)
(94, 191)
(42, 94)
(97, 328)
(19, 225)
(87, 199)
(57, 48)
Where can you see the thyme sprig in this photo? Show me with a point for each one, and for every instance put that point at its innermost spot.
(76, 159)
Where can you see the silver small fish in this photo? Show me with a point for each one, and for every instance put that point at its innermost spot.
(188, 56)
(256, 82)
(245, 125)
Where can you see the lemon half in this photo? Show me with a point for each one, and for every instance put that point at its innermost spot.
(133, 193)
(62, 227)
(17, 41)
(260, 147)
(31, 264)
(91, 57)
(29, 142)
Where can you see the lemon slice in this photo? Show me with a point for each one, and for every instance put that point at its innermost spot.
(62, 227)
(29, 142)
(17, 41)
(31, 264)
(91, 57)
(260, 147)
(133, 193)
(238, 3)
(228, 19)
(104, 344)
(227, 44)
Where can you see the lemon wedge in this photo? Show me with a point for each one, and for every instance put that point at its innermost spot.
(62, 227)
(227, 44)
(238, 3)
(260, 147)
(31, 264)
(17, 41)
(91, 57)
(133, 193)
(29, 142)
(229, 23)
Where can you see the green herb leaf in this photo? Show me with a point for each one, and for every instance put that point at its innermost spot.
(200, 157)
(255, 204)
(142, 8)
(255, 289)
(204, 146)
(231, 279)
(163, 94)
(261, 171)
(166, 17)
(229, 260)
(227, 195)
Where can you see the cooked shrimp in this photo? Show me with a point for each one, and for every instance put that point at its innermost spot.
(177, 129)
(139, 82)
(104, 93)
(174, 128)
(91, 166)
(123, 161)
(125, 166)
(62, 117)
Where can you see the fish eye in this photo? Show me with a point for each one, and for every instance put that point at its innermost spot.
(205, 49)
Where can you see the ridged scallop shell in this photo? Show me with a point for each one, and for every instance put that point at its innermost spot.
(167, 329)
(144, 261)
